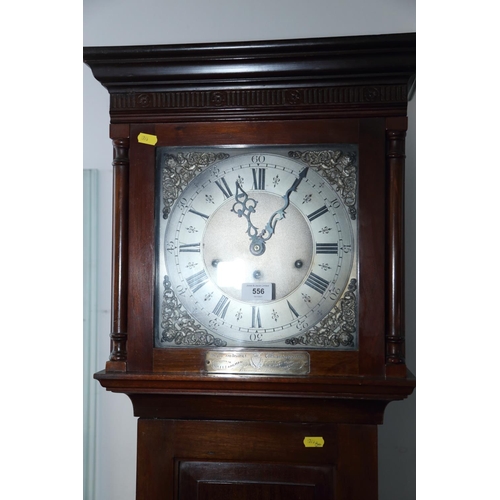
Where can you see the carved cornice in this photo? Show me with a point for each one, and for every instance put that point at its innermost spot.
(258, 98)
(236, 79)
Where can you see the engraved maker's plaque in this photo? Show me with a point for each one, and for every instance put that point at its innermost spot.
(258, 362)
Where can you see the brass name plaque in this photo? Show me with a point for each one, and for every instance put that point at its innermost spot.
(258, 362)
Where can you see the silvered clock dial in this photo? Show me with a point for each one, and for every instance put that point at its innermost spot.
(257, 247)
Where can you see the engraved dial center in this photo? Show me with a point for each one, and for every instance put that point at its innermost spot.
(225, 240)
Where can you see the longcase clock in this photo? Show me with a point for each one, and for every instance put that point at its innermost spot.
(258, 276)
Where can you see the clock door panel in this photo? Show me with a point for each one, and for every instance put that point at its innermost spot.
(252, 481)
(185, 460)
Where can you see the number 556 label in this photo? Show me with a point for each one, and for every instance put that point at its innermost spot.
(257, 291)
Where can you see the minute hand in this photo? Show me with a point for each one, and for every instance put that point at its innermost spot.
(268, 230)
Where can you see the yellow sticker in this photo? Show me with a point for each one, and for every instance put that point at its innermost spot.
(147, 139)
(314, 442)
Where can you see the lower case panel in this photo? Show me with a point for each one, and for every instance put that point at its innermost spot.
(254, 481)
(195, 460)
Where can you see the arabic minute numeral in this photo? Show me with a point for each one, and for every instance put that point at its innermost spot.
(214, 324)
(182, 203)
(258, 159)
(301, 324)
(335, 203)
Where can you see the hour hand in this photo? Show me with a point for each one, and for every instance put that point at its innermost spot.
(244, 206)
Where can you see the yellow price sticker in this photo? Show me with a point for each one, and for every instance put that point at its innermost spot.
(147, 139)
(314, 442)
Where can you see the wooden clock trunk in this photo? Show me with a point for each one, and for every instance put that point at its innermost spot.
(230, 436)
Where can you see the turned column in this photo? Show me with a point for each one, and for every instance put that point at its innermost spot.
(118, 354)
(395, 321)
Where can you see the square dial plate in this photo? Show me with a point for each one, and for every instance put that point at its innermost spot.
(257, 247)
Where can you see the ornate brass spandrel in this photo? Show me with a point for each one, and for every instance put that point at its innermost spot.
(338, 168)
(180, 169)
(178, 327)
(337, 328)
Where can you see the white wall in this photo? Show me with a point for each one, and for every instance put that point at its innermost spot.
(127, 22)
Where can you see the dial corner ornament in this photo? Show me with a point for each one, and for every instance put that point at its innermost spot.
(257, 247)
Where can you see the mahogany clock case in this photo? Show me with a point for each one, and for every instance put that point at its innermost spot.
(193, 425)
